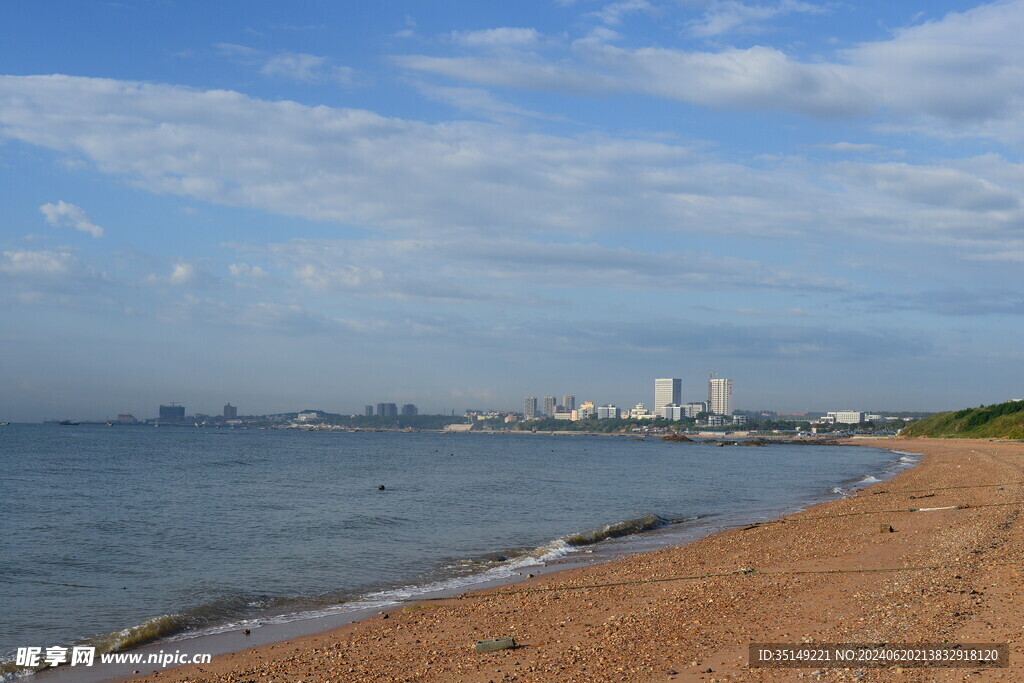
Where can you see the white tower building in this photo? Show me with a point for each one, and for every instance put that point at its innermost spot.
(530, 407)
(720, 393)
(667, 391)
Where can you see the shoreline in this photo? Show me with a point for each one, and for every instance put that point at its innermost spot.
(222, 642)
(571, 625)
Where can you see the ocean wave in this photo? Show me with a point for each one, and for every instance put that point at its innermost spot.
(501, 566)
(494, 567)
(234, 612)
(140, 634)
(904, 461)
(148, 631)
(10, 671)
(617, 530)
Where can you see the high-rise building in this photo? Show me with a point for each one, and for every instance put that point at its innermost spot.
(587, 410)
(230, 412)
(172, 413)
(409, 410)
(672, 412)
(667, 391)
(530, 407)
(694, 409)
(568, 403)
(607, 412)
(387, 410)
(720, 394)
(368, 411)
(549, 406)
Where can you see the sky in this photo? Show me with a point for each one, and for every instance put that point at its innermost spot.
(322, 205)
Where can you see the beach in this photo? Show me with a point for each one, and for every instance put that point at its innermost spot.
(828, 574)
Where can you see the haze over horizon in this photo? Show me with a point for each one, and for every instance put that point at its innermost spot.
(319, 205)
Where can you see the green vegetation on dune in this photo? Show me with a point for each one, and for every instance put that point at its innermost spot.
(999, 421)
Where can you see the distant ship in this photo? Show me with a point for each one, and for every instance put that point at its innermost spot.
(67, 422)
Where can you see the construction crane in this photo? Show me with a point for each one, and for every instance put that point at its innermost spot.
(711, 376)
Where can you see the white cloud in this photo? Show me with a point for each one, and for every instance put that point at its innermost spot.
(850, 147)
(235, 50)
(45, 262)
(613, 13)
(697, 337)
(63, 214)
(754, 78)
(504, 37)
(244, 270)
(514, 73)
(509, 270)
(269, 316)
(1016, 256)
(406, 178)
(342, 165)
(478, 102)
(409, 31)
(53, 277)
(183, 274)
(305, 67)
(937, 186)
(296, 66)
(959, 75)
(725, 16)
(393, 269)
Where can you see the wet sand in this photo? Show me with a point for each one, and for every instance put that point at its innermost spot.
(827, 574)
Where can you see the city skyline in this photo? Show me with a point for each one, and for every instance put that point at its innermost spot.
(451, 204)
(174, 412)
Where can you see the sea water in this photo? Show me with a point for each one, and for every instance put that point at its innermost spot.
(117, 536)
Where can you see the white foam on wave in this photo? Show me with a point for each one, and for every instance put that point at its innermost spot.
(905, 461)
(504, 570)
(392, 597)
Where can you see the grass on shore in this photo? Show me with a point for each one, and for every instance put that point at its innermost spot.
(998, 421)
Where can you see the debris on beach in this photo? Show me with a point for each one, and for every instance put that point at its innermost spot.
(494, 644)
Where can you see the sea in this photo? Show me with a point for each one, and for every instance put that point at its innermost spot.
(118, 537)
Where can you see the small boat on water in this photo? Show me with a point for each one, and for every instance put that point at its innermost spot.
(4, 424)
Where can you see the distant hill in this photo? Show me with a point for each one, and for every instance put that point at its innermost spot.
(999, 421)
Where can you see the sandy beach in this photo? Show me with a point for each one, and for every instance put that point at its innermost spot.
(829, 574)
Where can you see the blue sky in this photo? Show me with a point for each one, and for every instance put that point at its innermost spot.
(323, 205)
